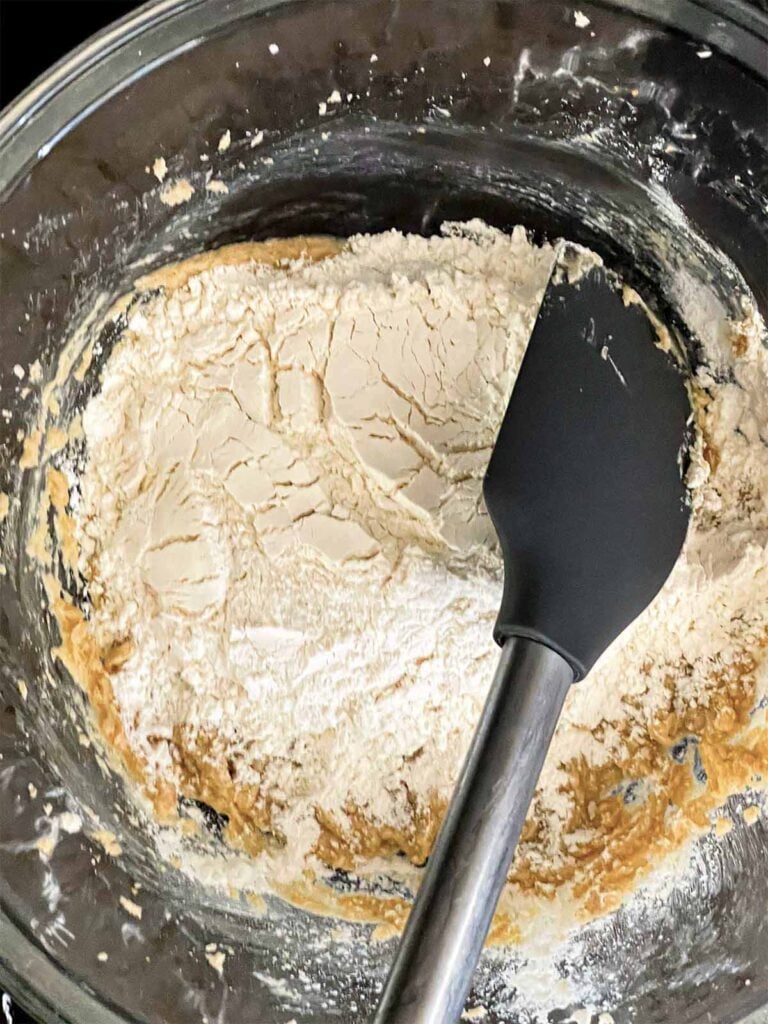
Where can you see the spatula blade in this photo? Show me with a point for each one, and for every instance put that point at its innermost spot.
(585, 484)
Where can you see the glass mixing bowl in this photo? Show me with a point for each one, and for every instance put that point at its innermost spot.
(641, 134)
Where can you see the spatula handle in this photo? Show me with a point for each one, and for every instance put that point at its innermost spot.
(432, 972)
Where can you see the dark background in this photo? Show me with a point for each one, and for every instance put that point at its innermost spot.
(34, 34)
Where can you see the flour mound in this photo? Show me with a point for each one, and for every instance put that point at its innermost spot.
(282, 527)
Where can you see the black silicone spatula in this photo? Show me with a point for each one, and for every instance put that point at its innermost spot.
(585, 491)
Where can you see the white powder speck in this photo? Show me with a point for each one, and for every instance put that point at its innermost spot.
(751, 814)
(108, 840)
(160, 168)
(581, 20)
(46, 845)
(216, 960)
(177, 192)
(132, 908)
(70, 822)
(274, 49)
(225, 141)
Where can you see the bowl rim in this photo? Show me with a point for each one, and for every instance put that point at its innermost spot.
(41, 115)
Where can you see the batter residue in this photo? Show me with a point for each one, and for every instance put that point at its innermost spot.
(292, 580)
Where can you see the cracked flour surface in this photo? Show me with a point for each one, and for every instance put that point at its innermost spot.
(283, 465)
(293, 579)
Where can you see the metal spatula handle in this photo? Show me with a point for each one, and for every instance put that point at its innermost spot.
(432, 972)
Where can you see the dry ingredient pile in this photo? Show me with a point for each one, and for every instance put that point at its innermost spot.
(292, 580)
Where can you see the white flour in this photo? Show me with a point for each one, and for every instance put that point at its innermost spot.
(281, 511)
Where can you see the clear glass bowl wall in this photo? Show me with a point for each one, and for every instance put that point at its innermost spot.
(620, 135)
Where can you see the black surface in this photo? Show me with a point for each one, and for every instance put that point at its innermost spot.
(34, 34)
(584, 485)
